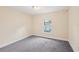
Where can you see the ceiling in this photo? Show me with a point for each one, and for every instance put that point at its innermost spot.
(42, 9)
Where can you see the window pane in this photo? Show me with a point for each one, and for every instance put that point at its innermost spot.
(47, 25)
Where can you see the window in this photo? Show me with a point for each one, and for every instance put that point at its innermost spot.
(47, 25)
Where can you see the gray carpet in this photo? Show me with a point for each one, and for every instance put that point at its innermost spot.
(38, 44)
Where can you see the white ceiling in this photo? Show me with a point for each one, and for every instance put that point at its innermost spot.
(42, 9)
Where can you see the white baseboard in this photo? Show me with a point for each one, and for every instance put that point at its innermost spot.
(57, 38)
(74, 48)
(8, 43)
(60, 38)
(71, 46)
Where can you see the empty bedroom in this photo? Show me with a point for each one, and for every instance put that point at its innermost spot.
(39, 29)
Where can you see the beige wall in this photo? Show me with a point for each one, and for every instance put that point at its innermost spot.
(14, 25)
(59, 25)
(74, 27)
